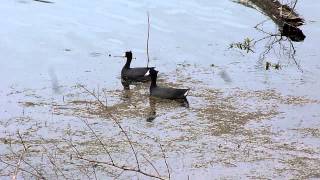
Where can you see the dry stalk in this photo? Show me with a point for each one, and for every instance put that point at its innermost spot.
(165, 160)
(153, 166)
(51, 159)
(15, 174)
(25, 149)
(22, 169)
(121, 167)
(21, 160)
(112, 163)
(148, 38)
(94, 95)
(118, 124)
(100, 141)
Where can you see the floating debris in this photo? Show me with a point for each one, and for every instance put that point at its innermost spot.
(43, 1)
(245, 45)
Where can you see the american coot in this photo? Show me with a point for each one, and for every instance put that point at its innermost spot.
(130, 75)
(166, 93)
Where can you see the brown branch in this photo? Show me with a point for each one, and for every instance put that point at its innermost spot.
(125, 168)
(118, 176)
(21, 169)
(260, 23)
(162, 150)
(94, 172)
(121, 167)
(128, 139)
(294, 5)
(94, 95)
(148, 38)
(118, 124)
(50, 158)
(155, 169)
(27, 163)
(15, 174)
(22, 142)
(138, 170)
(165, 160)
(293, 56)
(102, 144)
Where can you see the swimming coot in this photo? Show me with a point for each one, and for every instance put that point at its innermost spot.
(165, 92)
(130, 75)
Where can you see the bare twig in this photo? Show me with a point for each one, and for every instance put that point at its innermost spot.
(154, 168)
(121, 167)
(94, 172)
(115, 120)
(21, 169)
(148, 38)
(15, 174)
(165, 160)
(94, 95)
(125, 168)
(294, 5)
(39, 174)
(102, 144)
(25, 149)
(293, 56)
(118, 176)
(260, 23)
(22, 142)
(162, 150)
(113, 164)
(128, 139)
(26, 162)
(50, 158)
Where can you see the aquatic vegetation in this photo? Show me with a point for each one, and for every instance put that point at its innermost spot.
(246, 45)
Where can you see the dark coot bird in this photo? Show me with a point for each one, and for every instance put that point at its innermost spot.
(165, 92)
(130, 75)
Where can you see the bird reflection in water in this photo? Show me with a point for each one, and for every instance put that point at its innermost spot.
(153, 102)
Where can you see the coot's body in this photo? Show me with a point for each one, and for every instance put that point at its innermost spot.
(130, 75)
(165, 92)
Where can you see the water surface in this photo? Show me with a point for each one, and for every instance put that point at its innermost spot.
(243, 121)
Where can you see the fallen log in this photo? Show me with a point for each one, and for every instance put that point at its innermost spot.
(284, 16)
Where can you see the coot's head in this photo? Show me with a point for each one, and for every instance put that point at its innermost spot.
(128, 55)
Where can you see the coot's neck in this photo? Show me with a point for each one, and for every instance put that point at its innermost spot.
(127, 65)
(153, 80)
